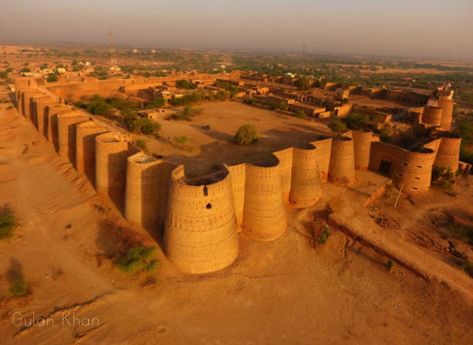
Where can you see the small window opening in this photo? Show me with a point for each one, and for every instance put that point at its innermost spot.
(209, 206)
(206, 191)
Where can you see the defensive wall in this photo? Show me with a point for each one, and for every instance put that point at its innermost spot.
(110, 87)
(201, 217)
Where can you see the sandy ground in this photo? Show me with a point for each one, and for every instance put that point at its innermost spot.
(283, 292)
(206, 147)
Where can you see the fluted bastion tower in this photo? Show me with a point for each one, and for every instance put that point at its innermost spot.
(111, 152)
(285, 170)
(447, 105)
(200, 232)
(362, 146)
(432, 115)
(147, 190)
(415, 172)
(40, 104)
(238, 178)
(448, 154)
(305, 186)
(85, 148)
(342, 161)
(67, 124)
(52, 122)
(264, 215)
(324, 150)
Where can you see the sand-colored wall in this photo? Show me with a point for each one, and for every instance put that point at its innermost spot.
(362, 146)
(40, 104)
(200, 233)
(432, 115)
(53, 111)
(147, 190)
(415, 172)
(238, 178)
(306, 185)
(448, 154)
(324, 150)
(447, 105)
(285, 170)
(385, 152)
(111, 154)
(264, 215)
(67, 126)
(342, 161)
(85, 148)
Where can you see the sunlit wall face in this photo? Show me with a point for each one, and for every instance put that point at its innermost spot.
(402, 27)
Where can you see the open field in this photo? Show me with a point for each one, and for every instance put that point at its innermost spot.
(212, 146)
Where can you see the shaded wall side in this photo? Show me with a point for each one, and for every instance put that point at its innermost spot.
(238, 177)
(448, 154)
(285, 170)
(362, 146)
(85, 150)
(110, 169)
(342, 162)
(324, 149)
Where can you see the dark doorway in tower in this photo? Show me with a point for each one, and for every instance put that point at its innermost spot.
(385, 168)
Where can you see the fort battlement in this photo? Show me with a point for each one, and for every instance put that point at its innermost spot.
(201, 216)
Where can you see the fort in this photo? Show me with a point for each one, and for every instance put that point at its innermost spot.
(199, 218)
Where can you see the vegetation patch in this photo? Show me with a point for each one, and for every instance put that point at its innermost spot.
(7, 222)
(138, 259)
(245, 135)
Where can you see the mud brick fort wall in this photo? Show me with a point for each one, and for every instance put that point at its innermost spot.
(201, 217)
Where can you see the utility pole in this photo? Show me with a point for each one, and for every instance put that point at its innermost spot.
(113, 60)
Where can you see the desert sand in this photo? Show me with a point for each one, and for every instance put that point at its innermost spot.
(283, 292)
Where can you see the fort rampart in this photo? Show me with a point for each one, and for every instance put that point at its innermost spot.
(201, 217)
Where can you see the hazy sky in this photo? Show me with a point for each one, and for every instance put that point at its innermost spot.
(397, 27)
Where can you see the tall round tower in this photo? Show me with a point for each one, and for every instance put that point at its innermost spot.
(85, 148)
(362, 146)
(111, 154)
(200, 232)
(264, 215)
(342, 161)
(285, 170)
(305, 186)
(447, 105)
(147, 190)
(432, 116)
(324, 150)
(448, 154)
(414, 174)
(238, 178)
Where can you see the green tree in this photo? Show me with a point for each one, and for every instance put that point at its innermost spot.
(52, 78)
(337, 126)
(246, 135)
